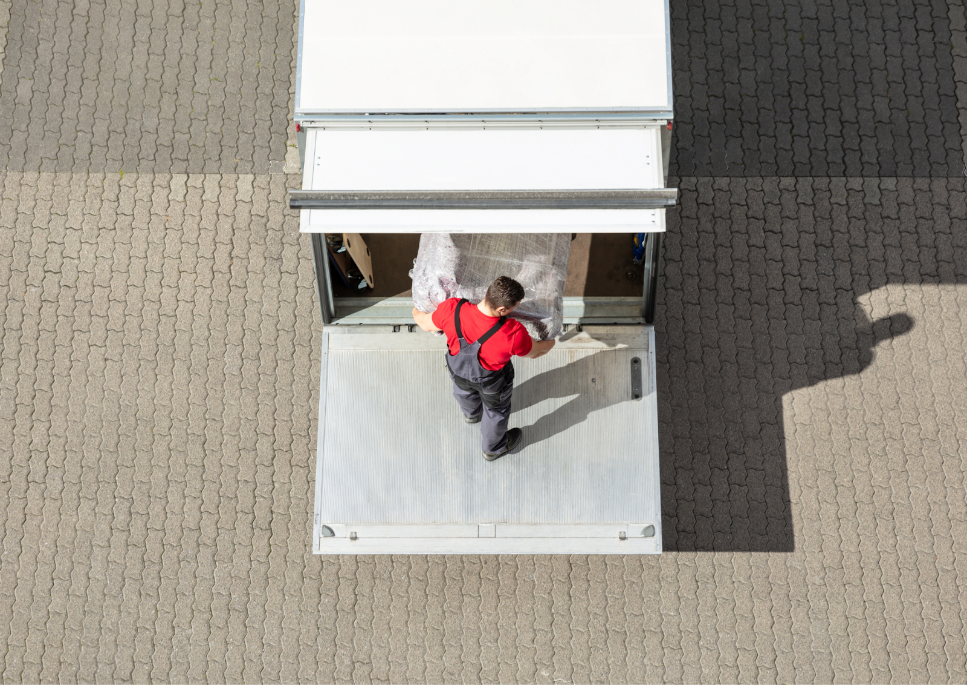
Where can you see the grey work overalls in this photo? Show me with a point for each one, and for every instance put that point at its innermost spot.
(477, 388)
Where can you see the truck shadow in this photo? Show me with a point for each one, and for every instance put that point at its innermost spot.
(725, 482)
(765, 290)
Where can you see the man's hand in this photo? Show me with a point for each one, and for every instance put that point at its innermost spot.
(540, 348)
(424, 321)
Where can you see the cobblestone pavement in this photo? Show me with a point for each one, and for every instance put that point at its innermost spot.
(159, 353)
(815, 88)
(146, 86)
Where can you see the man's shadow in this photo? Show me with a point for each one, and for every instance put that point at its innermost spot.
(575, 381)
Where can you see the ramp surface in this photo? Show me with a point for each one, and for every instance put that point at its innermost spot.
(395, 450)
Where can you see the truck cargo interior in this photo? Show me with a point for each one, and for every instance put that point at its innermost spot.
(601, 265)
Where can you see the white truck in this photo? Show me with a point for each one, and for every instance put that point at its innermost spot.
(484, 116)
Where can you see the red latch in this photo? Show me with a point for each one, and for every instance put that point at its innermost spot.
(298, 128)
(669, 126)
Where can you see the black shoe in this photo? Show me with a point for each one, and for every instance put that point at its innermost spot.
(514, 436)
(472, 419)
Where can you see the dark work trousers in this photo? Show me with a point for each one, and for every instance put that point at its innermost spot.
(477, 388)
(494, 400)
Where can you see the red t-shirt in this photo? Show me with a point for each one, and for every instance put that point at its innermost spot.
(512, 338)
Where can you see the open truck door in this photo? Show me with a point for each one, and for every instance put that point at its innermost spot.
(485, 117)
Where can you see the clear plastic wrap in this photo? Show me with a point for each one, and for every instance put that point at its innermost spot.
(464, 265)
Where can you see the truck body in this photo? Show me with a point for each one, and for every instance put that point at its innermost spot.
(485, 117)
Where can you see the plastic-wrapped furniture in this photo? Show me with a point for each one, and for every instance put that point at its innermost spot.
(465, 264)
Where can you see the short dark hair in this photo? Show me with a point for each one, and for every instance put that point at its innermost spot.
(504, 292)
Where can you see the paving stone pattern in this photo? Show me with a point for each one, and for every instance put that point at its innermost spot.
(121, 85)
(159, 350)
(814, 88)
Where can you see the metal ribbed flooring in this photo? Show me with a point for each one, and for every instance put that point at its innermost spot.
(396, 449)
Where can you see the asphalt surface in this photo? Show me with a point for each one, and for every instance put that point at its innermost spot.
(160, 350)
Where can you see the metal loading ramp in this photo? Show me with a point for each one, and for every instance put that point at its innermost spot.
(398, 470)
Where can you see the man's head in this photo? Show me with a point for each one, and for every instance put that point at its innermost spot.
(504, 295)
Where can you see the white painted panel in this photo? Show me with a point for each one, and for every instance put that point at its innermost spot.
(478, 55)
(599, 530)
(484, 221)
(483, 159)
(498, 159)
(495, 545)
(603, 531)
(443, 530)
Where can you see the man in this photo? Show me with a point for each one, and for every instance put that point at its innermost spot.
(482, 341)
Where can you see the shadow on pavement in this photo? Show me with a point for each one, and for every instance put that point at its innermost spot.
(761, 295)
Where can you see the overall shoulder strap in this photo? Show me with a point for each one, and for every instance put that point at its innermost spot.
(493, 329)
(456, 317)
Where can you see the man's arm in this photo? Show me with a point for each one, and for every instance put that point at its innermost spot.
(424, 321)
(540, 348)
